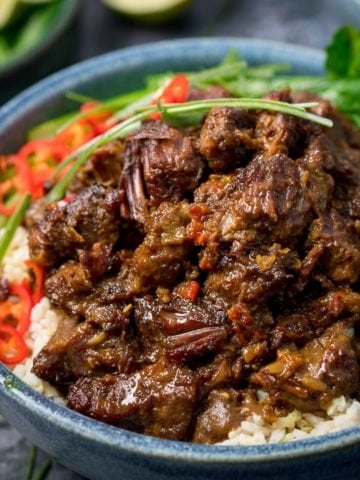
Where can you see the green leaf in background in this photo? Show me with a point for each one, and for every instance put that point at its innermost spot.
(343, 53)
(28, 30)
(35, 28)
(4, 50)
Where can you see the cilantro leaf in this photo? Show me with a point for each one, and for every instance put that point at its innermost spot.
(343, 53)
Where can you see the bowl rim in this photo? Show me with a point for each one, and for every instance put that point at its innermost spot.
(59, 416)
(67, 12)
(64, 418)
(65, 79)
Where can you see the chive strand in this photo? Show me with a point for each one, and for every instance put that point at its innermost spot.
(12, 224)
(122, 102)
(31, 463)
(118, 131)
(297, 110)
(43, 471)
(202, 106)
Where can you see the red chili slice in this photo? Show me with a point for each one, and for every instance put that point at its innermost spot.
(76, 134)
(13, 348)
(21, 310)
(39, 275)
(176, 91)
(4, 210)
(189, 290)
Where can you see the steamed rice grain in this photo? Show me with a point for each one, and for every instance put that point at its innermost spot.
(44, 319)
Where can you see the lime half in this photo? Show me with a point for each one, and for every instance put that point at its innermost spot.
(8, 11)
(149, 11)
(35, 2)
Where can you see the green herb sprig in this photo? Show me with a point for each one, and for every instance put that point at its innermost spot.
(13, 223)
(189, 113)
(43, 471)
(82, 154)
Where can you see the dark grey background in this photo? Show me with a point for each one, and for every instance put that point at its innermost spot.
(309, 22)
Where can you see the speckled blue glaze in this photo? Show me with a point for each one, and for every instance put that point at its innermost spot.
(99, 451)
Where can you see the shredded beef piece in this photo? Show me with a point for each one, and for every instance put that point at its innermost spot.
(99, 260)
(35, 213)
(160, 162)
(104, 167)
(271, 199)
(88, 349)
(224, 410)
(222, 414)
(158, 400)
(213, 91)
(340, 258)
(159, 261)
(310, 377)
(279, 133)
(82, 349)
(69, 287)
(226, 138)
(179, 330)
(311, 319)
(262, 273)
(89, 217)
(163, 255)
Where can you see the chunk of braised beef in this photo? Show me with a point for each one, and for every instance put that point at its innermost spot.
(339, 241)
(271, 199)
(66, 226)
(163, 255)
(213, 91)
(281, 133)
(111, 317)
(310, 377)
(246, 277)
(226, 138)
(225, 409)
(35, 213)
(87, 349)
(159, 261)
(179, 330)
(104, 167)
(69, 287)
(161, 164)
(100, 260)
(221, 414)
(157, 400)
(72, 289)
(311, 319)
(225, 369)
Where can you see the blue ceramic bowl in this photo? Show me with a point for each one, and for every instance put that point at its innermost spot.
(99, 451)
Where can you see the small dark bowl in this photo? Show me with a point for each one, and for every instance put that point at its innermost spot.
(52, 52)
(99, 451)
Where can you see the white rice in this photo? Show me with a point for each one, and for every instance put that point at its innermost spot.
(342, 413)
(44, 320)
(12, 266)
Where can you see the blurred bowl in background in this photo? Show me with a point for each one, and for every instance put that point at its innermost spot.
(50, 52)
